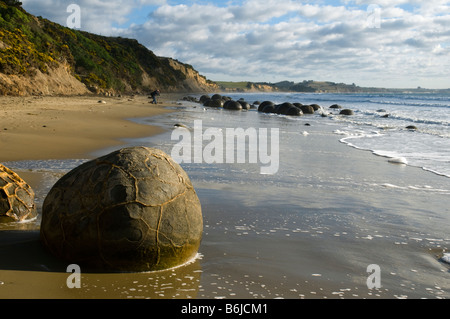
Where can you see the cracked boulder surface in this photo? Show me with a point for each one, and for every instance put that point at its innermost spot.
(132, 210)
(16, 197)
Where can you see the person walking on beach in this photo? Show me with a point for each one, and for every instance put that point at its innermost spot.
(154, 94)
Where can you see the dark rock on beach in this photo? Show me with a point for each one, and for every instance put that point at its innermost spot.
(346, 112)
(315, 107)
(307, 109)
(264, 104)
(269, 108)
(245, 105)
(232, 105)
(216, 103)
(294, 111)
(216, 97)
(204, 98)
(283, 108)
(131, 210)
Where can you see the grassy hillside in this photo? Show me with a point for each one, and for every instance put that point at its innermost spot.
(29, 43)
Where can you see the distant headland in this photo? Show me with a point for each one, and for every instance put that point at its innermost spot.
(310, 86)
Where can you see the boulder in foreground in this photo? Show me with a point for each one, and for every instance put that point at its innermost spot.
(132, 210)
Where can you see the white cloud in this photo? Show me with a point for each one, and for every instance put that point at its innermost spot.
(98, 16)
(275, 40)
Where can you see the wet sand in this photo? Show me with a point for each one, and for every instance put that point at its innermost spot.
(42, 128)
(34, 128)
(265, 238)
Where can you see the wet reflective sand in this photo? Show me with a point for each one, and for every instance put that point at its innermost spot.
(309, 232)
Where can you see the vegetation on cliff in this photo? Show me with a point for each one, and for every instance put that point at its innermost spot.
(29, 43)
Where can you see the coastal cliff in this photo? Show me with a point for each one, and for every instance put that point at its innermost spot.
(40, 57)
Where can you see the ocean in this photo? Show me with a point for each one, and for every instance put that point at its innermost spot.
(351, 207)
(380, 121)
(379, 125)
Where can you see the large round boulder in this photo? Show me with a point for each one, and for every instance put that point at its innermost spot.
(204, 98)
(316, 107)
(294, 111)
(307, 109)
(215, 103)
(245, 105)
(269, 108)
(207, 102)
(132, 210)
(264, 104)
(16, 197)
(216, 97)
(232, 105)
(283, 108)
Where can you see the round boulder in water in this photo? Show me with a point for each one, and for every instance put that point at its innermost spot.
(215, 103)
(346, 112)
(264, 104)
(204, 98)
(269, 108)
(132, 210)
(245, 105)
(283, 108)
(307, 109)
(294, 111)
(232, 105)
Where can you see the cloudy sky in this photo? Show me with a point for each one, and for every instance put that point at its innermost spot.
(377, 43)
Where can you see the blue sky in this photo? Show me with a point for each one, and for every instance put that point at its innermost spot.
(367, 42)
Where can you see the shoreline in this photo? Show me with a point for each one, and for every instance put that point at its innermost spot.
(39, 128)
(308, 232)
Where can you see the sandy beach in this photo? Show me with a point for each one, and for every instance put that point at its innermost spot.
(43, 128)
(307, 232)
(34, 128)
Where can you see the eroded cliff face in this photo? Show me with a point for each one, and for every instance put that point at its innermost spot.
(193, 82)
(58, 81)
(38, 56)
(256, 87)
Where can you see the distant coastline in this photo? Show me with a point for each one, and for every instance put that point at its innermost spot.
(316, 87)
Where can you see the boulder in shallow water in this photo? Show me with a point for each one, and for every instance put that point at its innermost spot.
(232, 105)
(270, 108)
(346, 112)
(294, 111)
(264, 104)
(307, 109)
(132, 210)
(215, 103)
